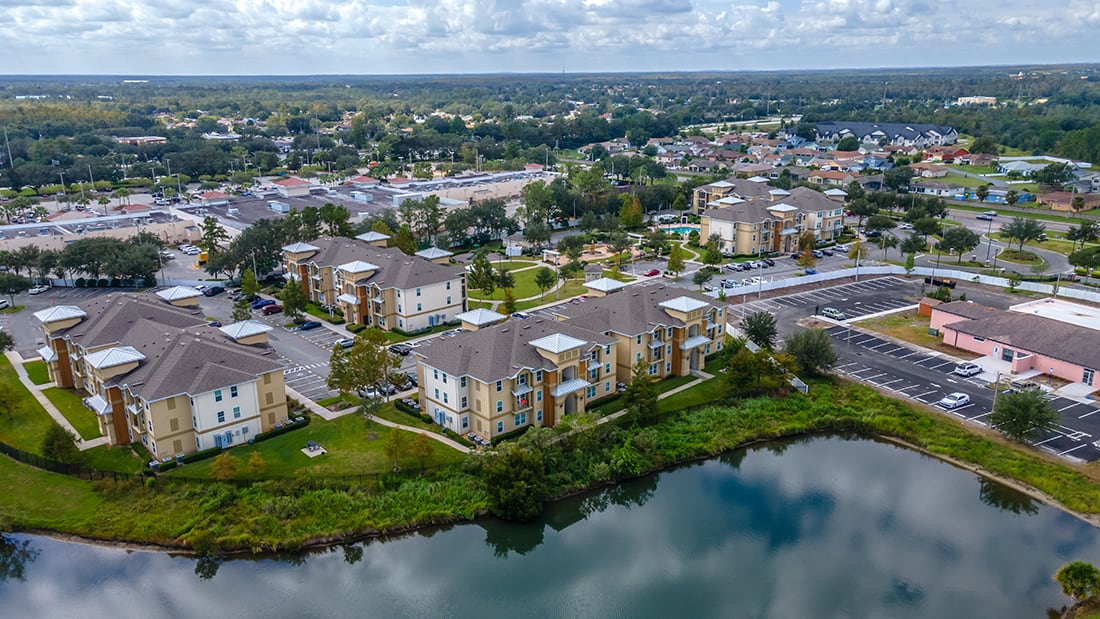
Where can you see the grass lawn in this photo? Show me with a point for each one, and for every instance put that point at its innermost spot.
(13, 309)
(107, 458)
(37, 372)
(707, 391)
(350, 452)
(1021, 257)
(525, 287)
(572, 288)
(911, 327)
(669, 384)
(65, 500)
(25, 428)
(68, 401)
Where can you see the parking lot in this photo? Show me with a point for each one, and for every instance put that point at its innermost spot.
(927, 376)
(856, 299)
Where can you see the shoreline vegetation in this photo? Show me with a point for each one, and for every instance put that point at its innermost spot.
(294, 515)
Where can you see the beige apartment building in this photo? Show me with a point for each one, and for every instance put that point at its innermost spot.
(536, 371)
(377, 286)
(759, 227)
(734, 191)
(157, 374)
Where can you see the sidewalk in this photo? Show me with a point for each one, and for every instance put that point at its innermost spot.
(700, 376)
(36, 390)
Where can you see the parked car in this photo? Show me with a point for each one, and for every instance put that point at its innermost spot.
(213, 323)
(385, 388)
(4, 304)
(652, 273)
(521, 315)
(411, 403)
(411, 377)
(213, 291)
(346, 342)
(271, 309)
(955, 400)
(811, 271)
(400, 349)
(827, 252)
(818, 253)
(832, 312)
(309, 325)
(968, 369)
(841, 248)
(39, 289)
(262, 303)
(769, 262)
(983, 217)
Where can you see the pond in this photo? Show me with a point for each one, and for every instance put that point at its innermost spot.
(823, 527)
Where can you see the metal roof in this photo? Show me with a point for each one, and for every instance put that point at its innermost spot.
(175, 293)
(557, 343)
(245, 328)
(59, 312)
(112, 357)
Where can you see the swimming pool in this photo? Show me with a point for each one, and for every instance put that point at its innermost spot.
(681, 229)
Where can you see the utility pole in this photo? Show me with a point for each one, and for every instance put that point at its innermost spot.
(11, 164)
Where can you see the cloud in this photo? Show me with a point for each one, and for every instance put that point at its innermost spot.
(433, 36)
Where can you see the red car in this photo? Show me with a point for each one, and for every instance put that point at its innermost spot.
(652, 273)
(272, 309)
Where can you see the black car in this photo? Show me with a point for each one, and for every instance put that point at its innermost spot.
(769, 262)
(213, 291)
(309, 324)
(411, 377)
(400, 349)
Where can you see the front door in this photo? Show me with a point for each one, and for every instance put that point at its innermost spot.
(1087, 376)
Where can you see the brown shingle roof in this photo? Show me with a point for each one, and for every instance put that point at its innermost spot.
(631, 311)
(1036, 334)
(398, 269)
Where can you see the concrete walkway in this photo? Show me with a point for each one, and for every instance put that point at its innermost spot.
(700, 376)
(328, 415)
(36, 390)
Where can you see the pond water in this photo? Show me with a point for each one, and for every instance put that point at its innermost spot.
(824, 527)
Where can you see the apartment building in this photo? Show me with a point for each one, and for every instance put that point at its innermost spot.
(734, 191)
(157, 374)
(377, 286)
(535, 371)
(760, 227)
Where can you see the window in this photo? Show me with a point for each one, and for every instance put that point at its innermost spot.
(465, 422)
(607, 368)
(435, 374)
(448, 288)
(652, 369)
(448, 299)
(978, 339)
(594, 355)
(538, 395)
(463, 402)
(607, 386)
(668, 349)
(221, 416)
(233, 391)
(639, 357)
(521, 379)
(399, 308)
(217, 395)
(269, 397)
(668, 367)
(244, 430)
(174, 425)
(236, 412)
(591, 392)
(639, 339)
(445, 398)
(538, 376)
(418, 292)
(500, 427)
(594, 374)
(437, 393)
(520, 420)
(419, 307)
(462, 382)
(172, 404)
(198, 445)
(607, 349)
(668, 332)
(444, 378)
(538, 416)
(500, 385)
(500, 406)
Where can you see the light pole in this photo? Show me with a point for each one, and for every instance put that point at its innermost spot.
(996, 389)
(988, 240)
(64, 191)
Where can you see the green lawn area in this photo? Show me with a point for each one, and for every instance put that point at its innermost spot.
(68, 499)
(106, 458)
(571, 288)
(68, 401)
(525, 287)
(707, 391)
(37, 372)
(910, 327)
(1022, 257)
(350, 452)
(13, 309)
(25, 428)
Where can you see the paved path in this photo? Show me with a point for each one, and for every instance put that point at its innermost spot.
(699, 377)
(36, 390)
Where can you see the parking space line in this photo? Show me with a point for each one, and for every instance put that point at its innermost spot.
(890, 382)
(1089, 413)
(1056, 436)
(921, 395)
(869, 378)
(938, 366)
(1072, 404)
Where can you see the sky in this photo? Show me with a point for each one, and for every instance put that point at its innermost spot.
(308, 37)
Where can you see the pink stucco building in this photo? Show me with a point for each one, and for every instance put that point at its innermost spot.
(1026, 342)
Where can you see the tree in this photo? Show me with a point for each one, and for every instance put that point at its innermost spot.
(366, 363)
(960, 239)
(1085, 232)
(985, 144)
(1077, 203)
(242, 309)
(701, 277)
(640, 396)
(515, 480)
(760, 328)
(753, 373)
(631, 216)
(537, 233)
(394, 447)
(256, 464)
(9, 400)
(848, 143)
(225, 466)
(422, 448)
(13, 284)
(212, 234)
(620, 242)
(1023, 415)
(680, 203)
(505, 279)
(545, 279)
(57, 444)
(898, 178)
(1054, 175)
(1022, 229)
(1012, 197)
(885, 242)
(14, 557)
(6, 342)
(405, 241)
(294, 299)
(1079, 579)
(806, 243)
(676, 259)
(912, 244)
(812, 351)
(508, 305)
(982, 192)
(482, 276)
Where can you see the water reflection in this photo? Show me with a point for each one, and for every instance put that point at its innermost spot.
(831, 527)
(15, 555)
(1004, 497)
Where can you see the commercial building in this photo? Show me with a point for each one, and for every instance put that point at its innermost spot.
(157, 374)
(759, 227)
(377, 286)
(535, 371)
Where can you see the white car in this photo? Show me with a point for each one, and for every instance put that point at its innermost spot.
(955, 400)
(38, 289)
(968, 369)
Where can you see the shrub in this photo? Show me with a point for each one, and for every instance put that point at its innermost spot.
(79, 283)
(426, 418)
(405, 408)
(507, 436)
(196, 456)
(354, 328)
(294, 425)
(104, 283)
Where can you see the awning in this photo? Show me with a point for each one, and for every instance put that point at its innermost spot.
(656, 344)
(569, 386)
(97, 404)
(522, 389)
(350, 299)
(48, 355)
(694, 342)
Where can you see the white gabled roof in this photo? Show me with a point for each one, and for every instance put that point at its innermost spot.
(59, 312)
(782, 208)
(480, 316)
(758, 179)
(373, 236)
(727, 200)
(299, 247)
(835, 192)
(111, 357)
(779, 192)
(358, 266)
(604, 284)
(48, 355)
(245, 328)
(432, 253)
(722, 184)
(683, 304)
(569, 386)
(557, 343)
(175, 293)
(350, 299)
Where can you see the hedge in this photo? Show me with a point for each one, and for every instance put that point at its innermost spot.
(405, 408)
(293, 424)
(195, 456)
(426, 418)
(79, 283)
(355, 328)
(507, 436)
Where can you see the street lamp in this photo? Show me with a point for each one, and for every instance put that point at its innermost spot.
(988, 240)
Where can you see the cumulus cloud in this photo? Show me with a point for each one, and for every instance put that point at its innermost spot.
(399, 36)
